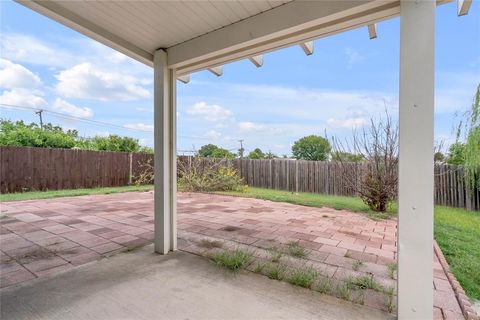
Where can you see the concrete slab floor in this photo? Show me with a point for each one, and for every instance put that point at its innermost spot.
(144, 285)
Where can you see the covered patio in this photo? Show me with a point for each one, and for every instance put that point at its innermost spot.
(178, 38)
(46, 240)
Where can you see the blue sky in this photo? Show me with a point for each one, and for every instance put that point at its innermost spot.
(348, 80)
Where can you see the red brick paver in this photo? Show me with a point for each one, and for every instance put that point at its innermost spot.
(44, 237)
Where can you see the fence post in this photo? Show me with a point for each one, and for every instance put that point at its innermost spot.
(130, 169)
(296, 176)
(288, 174)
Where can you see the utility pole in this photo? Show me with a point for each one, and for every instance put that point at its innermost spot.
(39, 112)
(241, 148)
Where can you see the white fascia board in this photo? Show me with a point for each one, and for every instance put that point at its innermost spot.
(372, 31)
(257, 60)
(463, 6)
(307, 47)
(70, 19)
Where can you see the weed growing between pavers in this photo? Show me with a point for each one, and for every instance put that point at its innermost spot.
(303, 277)
(356, 265)
(324, 285)
(352, 289)
(389, 299)
(392, 268)
(276, 271)
(363, 282)
(210, 244)
(275, 254)
(259, 267)
(342, 291)
(232, 259)
(296, 250)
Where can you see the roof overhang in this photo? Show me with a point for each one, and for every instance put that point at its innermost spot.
(284, 25)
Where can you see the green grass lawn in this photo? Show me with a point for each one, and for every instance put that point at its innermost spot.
(457, 231)
(69, 193)
(314, 200)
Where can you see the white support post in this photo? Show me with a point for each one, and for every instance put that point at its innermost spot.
(165, 163)
(415, 218)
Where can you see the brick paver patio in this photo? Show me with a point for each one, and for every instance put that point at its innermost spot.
(44, 237)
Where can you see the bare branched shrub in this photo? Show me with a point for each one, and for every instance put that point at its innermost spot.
(375, 180)
(205, 174)
(146, 174)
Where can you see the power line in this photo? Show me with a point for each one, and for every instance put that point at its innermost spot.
(95, 122)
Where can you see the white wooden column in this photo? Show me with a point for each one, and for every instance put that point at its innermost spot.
(165, 155)
(415, 221)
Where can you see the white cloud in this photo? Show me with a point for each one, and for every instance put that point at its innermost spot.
(250, 126)
(350, 123)
(85, 81)
(70, 109)
(25, 48)
(142, 109)
(353, 56)
(140, 126)
(212, 113)
(213, 134)
(23, 98)
(14, 75)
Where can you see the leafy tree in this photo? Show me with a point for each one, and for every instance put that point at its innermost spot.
(456, 153)
(222, 153)
(438, 156)
(472, 145)
(256, 154)
(346, 156)
(110, 143)
(270, 155)
(207, 150)
(213, 151)
(311, 148)
(31, 135)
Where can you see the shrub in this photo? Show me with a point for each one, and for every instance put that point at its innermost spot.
(201, 174)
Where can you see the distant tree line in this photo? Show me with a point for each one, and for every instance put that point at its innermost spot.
(32, 135)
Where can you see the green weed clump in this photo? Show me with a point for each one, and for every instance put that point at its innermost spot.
(303, 277)
(232, 259)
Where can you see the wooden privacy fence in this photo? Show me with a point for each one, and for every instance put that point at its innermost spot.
(450, 186)
(26, 169)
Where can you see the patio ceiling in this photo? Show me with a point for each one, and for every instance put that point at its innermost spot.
(203, 34)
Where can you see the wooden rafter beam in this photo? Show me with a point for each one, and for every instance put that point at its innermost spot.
(372, 31)
(307, 47)
(185, 78)
(257, 60)
(463, 6)
(218, 71)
